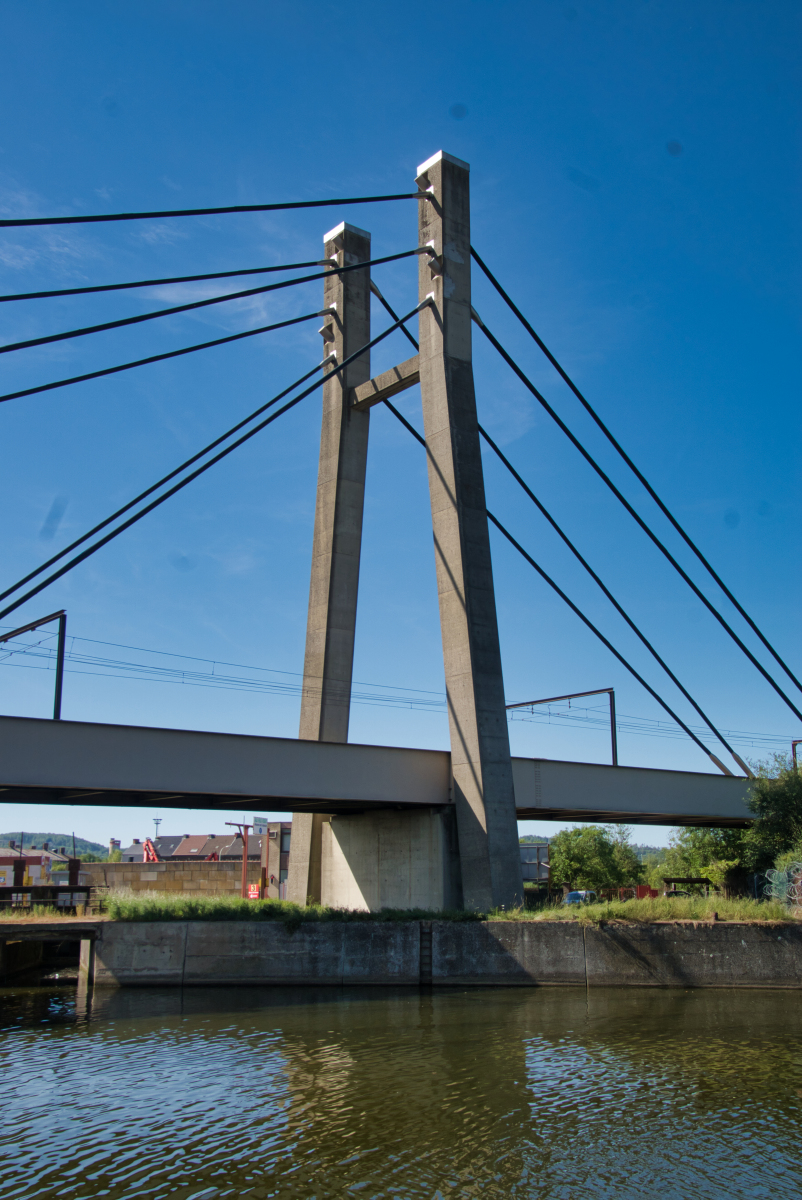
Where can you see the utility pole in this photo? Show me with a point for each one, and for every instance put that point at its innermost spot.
(243, 831)
(337, 544)
(480, 749)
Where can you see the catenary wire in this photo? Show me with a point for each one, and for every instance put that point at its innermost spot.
(579, 613)
(424, 698)
(611, 598)
(142, 362)
(18, 222)
(181, 308)
(653, 536)
(154, 487)
(638, 474)
(119, 287)
(205, 467)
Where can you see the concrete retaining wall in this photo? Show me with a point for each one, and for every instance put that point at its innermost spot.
(182, 953)
(206, 878)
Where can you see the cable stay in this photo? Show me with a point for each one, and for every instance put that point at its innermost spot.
(607, 643)
(165, 479)
(181, 308)
(613, 601)
(90, 550)
(574, 551)
(619, 496)
(638, 474)
(153, 358)
(119, 287)
(598, 632)
(19, 222)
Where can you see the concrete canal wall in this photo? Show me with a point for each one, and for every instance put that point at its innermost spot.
(443, 953)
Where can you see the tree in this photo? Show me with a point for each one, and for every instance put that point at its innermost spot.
(776, 801)
(592, 857)
(692, 850)
(626, 856)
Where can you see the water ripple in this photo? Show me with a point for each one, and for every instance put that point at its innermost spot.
(542, 1094)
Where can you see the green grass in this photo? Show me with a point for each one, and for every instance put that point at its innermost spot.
(166, 907)
(691, 908)
(33, 910)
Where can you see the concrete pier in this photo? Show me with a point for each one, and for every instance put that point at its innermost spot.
(392, 860)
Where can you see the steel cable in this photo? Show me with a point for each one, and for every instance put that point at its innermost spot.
(142, 362)
(17, 222)
(154, 487)
(606, 642)
(79, 558)
(638, 474)
(119, 287)
(611, 598)
(619, 496)
(590, 624)
(180, 308)
(577, 554)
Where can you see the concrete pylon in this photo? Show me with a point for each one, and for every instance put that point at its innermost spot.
(480, 749)
(337, 544)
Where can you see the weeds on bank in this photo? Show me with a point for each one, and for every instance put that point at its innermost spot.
(690, 908)
(166, 907)
(24, 912)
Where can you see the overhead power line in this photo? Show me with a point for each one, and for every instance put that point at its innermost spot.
(619, 609)
(119, 287)
(79, 558)
(143, 362)
(647, 530)
(589, 623)
(181, 308)
(423, 698)
(638, 474)
(17, 222)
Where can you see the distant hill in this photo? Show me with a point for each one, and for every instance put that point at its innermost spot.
(54, 840)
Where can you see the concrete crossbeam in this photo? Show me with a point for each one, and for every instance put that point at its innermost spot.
(389, 383)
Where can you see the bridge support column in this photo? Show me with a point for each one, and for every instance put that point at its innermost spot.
(480, 749)
(337, 544)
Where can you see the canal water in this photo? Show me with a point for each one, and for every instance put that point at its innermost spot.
(550, 1093)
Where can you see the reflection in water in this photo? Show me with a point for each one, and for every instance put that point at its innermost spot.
(553, 1094)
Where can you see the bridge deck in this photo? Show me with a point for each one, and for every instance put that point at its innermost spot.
(72, 762)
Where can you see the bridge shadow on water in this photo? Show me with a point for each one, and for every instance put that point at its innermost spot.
(282, 1091)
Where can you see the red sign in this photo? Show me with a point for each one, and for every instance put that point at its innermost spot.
(253, 891)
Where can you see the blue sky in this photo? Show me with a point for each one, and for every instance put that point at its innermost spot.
(635, 186)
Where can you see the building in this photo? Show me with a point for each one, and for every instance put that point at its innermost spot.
(271, 850)
(32, 867)
(535, 862)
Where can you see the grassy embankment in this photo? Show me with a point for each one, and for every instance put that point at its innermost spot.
(123, 906)
(691, 908)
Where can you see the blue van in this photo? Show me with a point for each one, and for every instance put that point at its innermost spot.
(580, 898)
